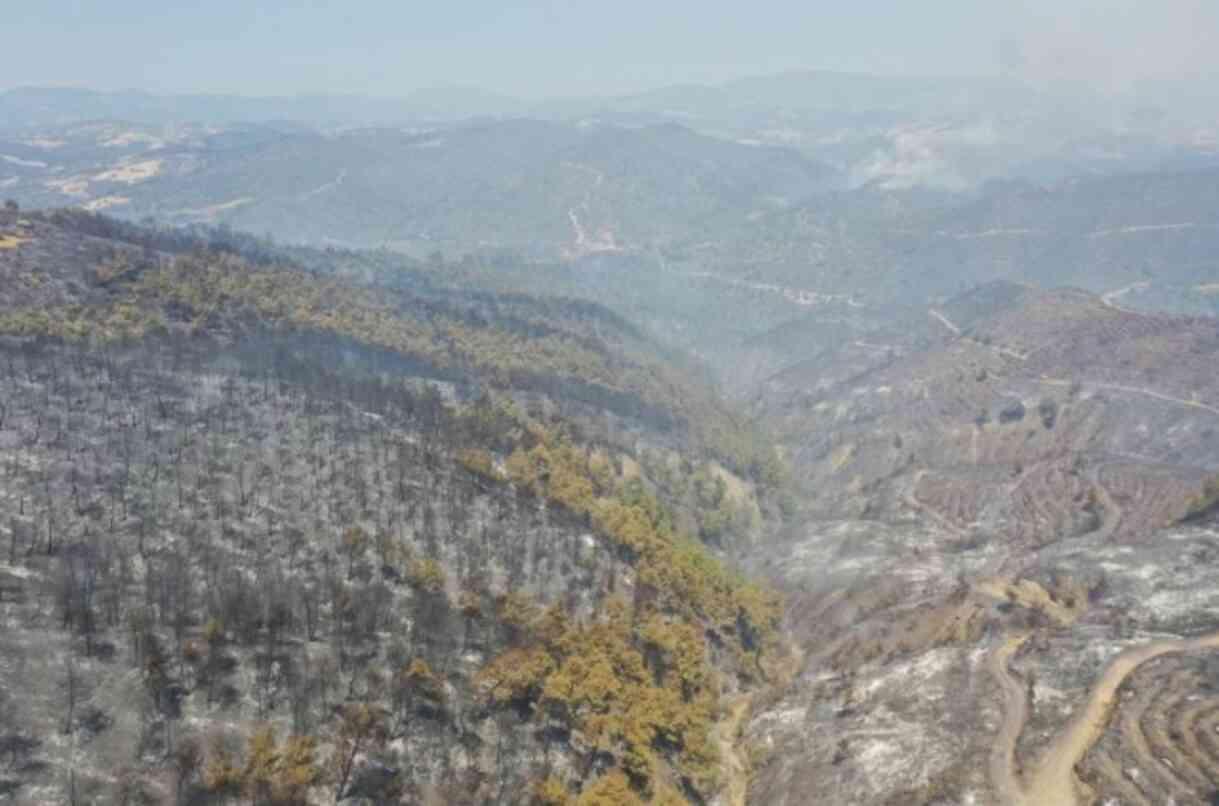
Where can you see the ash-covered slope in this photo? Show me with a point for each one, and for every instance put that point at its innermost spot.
(74, 274)
(1004, 409)
(270, 534)
(1010, 520)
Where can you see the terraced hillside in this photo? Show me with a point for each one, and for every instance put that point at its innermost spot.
(994, 580)
(1009, 410)
(1163, 739)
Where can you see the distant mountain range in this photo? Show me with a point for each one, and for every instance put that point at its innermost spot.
(903, 132)
(542, 187)
(771, 220)
(870, 99)
(804, 193)
(31, 107)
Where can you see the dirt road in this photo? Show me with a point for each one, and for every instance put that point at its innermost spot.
(1051, 780)
(1003, 772)
(1137, 390)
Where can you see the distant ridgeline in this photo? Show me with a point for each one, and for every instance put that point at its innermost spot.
(337, 580)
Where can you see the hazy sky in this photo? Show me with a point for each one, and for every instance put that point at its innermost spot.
(547, 48)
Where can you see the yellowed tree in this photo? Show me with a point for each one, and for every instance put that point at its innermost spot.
(611, 789)
(261, 766)
(297, 772)
(550, 792)
(360, 728)
(221, 773)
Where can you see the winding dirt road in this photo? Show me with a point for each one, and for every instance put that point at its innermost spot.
(945, 321)
(1051, 780)
(1003, 770)
(1109, 298)
(995, 348)
(1137, 390)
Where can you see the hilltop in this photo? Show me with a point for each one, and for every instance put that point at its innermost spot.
(1040, 394)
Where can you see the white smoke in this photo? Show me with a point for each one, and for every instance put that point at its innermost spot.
(927, 156)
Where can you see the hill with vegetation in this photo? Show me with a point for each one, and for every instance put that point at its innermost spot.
(972, 442)
(538, 187)
(1008, 509)
(275, 534)
(946, 132)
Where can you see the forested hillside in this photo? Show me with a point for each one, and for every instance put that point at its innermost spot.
(538, 187)
(495, 511)
(278, 536)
